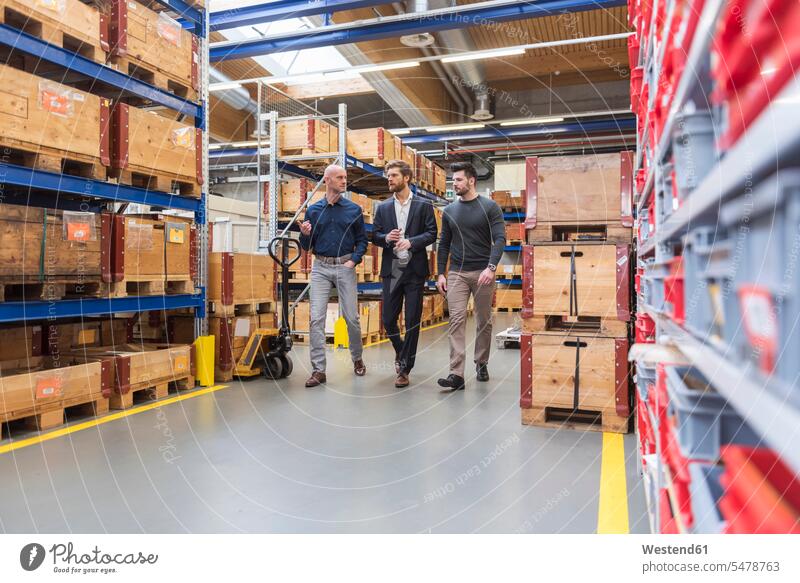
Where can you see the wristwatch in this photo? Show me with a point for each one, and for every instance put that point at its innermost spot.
(492, 266)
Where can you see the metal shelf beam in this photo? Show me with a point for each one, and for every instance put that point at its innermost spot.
(40, 310)
(402, 24)
(586, 127)
(274, 11)
(26, 43)
(86, 187)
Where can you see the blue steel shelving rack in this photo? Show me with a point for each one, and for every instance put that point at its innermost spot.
(31, 186)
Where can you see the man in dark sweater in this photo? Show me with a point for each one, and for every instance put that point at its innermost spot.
(473, 237)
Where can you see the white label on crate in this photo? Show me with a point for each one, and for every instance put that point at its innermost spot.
(132, 5)
(508, 269)
(622, 260)
(242, 327)
(78, 96)
(515, 193)
(757, 310)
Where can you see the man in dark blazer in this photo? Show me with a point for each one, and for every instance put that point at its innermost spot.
(403, 228)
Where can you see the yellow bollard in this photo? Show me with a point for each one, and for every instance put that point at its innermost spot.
(340, 337)
(204, 357)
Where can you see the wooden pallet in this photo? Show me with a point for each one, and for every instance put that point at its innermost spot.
(76, 30)
(136, 287)
(48, 417)
(149, 392)
(179, 286)
(153, 77)
(244, 308)
(577, 232)
(162, 182)
(507, 309)
(514, 242)
(577, 325)
(581, 420)
(38, 157)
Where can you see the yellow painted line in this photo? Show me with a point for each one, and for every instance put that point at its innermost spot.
(612, 513)
(14, 445)
(105, 419)
(421, 330)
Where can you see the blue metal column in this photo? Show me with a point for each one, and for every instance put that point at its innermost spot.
(273, 11)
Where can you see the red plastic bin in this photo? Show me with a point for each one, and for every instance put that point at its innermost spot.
(673, 290)
(645, 327)
(633, 51)
(679, 470)
(762, 495)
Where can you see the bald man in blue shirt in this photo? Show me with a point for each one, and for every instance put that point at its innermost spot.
(334, 231)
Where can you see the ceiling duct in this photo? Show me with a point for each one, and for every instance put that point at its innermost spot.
(421, 39)
(483, 107)
(237, 97)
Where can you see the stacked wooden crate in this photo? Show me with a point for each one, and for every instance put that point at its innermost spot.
(241, 283)
(576, 293)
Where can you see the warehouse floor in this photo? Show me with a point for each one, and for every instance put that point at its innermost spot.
(357, 456)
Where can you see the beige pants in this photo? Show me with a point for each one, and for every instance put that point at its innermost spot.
(460, 284)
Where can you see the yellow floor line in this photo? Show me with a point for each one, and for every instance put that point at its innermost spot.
(14, 445)
(105, 419)
(421, 330)
(612, 513)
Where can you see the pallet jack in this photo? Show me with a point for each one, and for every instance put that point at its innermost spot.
(267, 349)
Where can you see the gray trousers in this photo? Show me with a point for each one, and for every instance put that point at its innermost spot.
(323, 277)
(460, 285)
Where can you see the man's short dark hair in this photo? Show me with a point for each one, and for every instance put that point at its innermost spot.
(401, 165)
(465, 167)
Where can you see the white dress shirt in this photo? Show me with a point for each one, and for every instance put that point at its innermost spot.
(401, 210)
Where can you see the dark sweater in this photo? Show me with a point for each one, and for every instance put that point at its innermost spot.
(473, 235)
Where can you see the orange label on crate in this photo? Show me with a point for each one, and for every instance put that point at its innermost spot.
(80, 232)
(48, 387)
(87, 336)
(169, 29)
(56, 102)
(176, 234)
(183, 137)
(181, 363)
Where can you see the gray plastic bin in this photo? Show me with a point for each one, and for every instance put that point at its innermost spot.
(704, 419)
(645, 376)
(694, 149)
(706, 491)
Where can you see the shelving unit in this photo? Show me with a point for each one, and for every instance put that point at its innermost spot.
(766, 403)
(35, 187)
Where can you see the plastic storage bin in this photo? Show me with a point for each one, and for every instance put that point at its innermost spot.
(645, 379)
(761, 316)
(706, 281)
(694, 150)
(706, 492)
(761, 494)
(704, 420)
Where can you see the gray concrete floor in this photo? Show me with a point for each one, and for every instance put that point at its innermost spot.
(356, 456)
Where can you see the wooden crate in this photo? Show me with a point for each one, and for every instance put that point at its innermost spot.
(310, 136)
(240, 280)
(515, 233)
(152, 47)
(370, 316)
(439, 179)
(509, 270)
(69, 24)
(508, 299)
(409, 156)
(147, 368)
(373, 145)
(587, 196)
(600, 274)
(302, 317)
(511, 200)
(48, 254)
(577, 381)
(438, 306)
(154, 152)
(423, 172)
(144, 263)
(22, 342)
(427, 310)
(40, 388)
(48, 126)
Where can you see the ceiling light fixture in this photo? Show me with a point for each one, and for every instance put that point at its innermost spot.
(456, 127)
(531, 121)
(224, 86)
(484, 55)
(387, 67)
(400, 131)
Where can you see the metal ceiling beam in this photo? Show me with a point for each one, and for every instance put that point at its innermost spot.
(394, 26)
(274, 11)
(534, 129)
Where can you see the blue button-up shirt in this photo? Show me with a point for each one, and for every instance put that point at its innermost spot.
(336, 229)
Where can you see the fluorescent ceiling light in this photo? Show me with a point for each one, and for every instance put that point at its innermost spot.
(387, 67)
(463, 126)
(484, 55)
(533, 120)
(233, 145)
(401, 131)
(224, 86)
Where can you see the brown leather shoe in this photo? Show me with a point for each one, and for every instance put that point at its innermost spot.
(316, 379)
(359, 368)
(402, 380)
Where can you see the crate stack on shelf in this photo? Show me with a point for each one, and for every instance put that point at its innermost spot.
(576, 292)
(508, 295)
(79, 147)
(715, 91)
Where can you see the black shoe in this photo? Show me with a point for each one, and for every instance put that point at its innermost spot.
(483, 372)
(453, 382)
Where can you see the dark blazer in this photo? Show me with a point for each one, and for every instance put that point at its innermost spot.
(420, 230)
